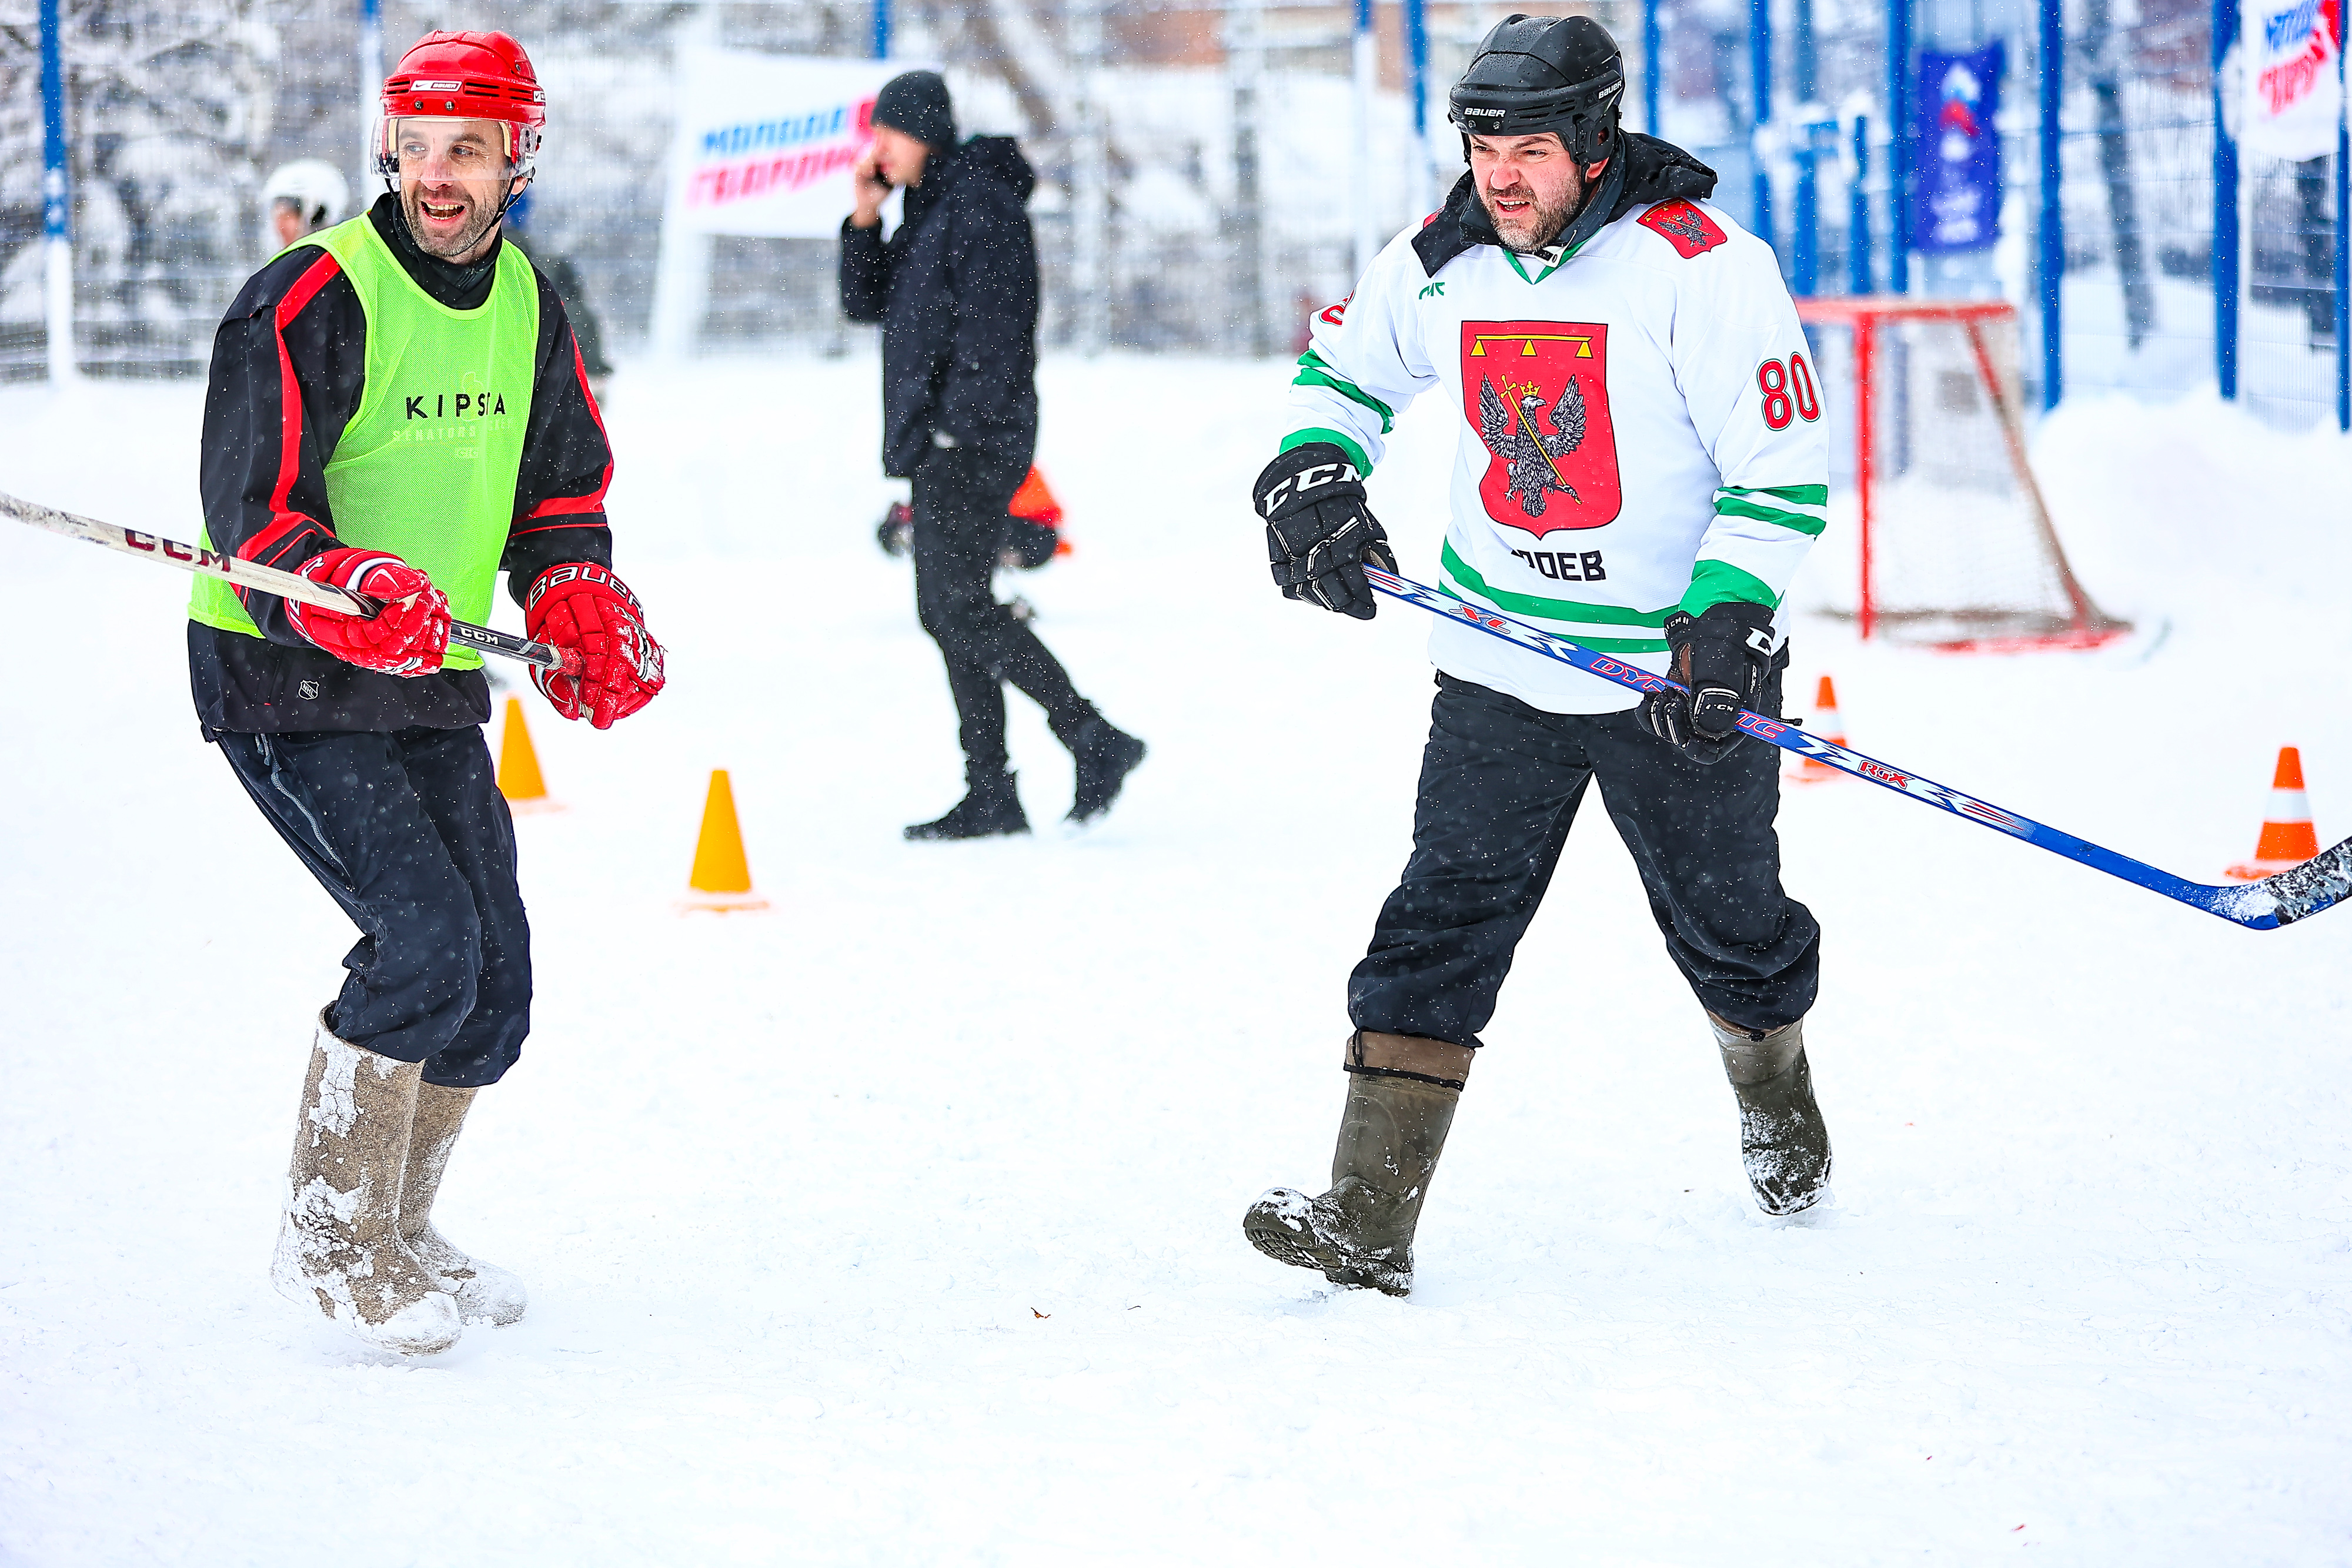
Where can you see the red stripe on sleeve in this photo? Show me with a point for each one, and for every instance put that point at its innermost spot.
(283, 521)
(571, 506)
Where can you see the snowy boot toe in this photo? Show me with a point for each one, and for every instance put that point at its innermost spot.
(485, 1293)
(339, 1247)
(1783, 1141)
(1350, 1233)
(1402, 1091)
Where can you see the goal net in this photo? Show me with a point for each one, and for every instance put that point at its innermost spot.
(1951, 545)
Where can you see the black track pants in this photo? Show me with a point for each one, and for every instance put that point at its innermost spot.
(1500, 783)
(410, 834)
(959, 502)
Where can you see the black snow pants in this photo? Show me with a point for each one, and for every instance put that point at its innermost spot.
(1500, 783)
(960, 498)
(410, 834)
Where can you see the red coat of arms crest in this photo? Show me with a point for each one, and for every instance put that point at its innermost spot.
(1538, 394)
(1684, 227)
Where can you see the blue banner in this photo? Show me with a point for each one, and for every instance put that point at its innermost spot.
(1956, 188)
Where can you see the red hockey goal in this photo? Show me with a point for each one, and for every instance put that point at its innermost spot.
(1955, 547)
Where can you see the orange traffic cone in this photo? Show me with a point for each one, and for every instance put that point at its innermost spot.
(723, 878)
(2288, 837)
(519, 779)
(1035, 502)
(1829, 726)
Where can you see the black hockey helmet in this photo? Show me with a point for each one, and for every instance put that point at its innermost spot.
(1534, 73)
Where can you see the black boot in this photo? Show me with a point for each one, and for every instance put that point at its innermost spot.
(1106, 756)
(991, 810)
(1783, 1141)
(1402, 1091)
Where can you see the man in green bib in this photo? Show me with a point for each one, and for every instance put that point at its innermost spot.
(397, 407)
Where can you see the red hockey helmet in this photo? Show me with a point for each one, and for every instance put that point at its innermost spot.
(465, 76)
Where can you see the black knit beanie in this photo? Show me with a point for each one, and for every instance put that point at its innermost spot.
(917, 103)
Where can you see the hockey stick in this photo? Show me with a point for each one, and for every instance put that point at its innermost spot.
(270, 579)
(2265, 905)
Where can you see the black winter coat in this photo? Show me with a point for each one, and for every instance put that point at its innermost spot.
(955, 290)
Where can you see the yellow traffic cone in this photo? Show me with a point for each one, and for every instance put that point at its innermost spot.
(519, 779)
(723, 877)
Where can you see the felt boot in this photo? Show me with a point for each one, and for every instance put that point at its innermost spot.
(339, 1247)
(485, 1293)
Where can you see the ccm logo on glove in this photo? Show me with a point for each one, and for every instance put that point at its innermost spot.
(1318, 532)
(407, 636)
(1293, 488)
(583, 607)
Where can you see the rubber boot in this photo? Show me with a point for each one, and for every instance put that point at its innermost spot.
(339, 1245)
(1402, 1091)
(1783, 1141)
(991, 810)
(485, 1293)
(1106, 754)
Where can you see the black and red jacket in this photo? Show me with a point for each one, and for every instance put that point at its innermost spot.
(290, 364)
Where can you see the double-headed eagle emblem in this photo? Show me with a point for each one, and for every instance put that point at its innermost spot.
(1532, 458)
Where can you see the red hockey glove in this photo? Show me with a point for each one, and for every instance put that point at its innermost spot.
(587, 608)
(407, 637)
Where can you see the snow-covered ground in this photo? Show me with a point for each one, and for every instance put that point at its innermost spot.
(901, 1224)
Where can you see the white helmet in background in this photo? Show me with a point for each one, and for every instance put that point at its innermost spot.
(314, 188)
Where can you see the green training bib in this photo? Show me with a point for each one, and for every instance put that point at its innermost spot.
(426, 468)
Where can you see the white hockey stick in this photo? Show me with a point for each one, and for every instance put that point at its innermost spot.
(270, 579)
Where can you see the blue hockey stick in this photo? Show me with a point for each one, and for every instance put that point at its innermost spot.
(2265, 905)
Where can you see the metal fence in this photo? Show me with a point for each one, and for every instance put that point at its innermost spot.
(178, 111)
(2136, 196)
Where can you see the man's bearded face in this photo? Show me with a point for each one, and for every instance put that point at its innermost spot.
(453, 179)
(1530, 185)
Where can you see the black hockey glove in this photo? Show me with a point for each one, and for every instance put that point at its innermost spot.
(1319, 533)
(1723, 657)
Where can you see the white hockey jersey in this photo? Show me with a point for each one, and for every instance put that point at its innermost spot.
(1640, 431)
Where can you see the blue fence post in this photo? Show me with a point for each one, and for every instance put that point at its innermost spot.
(1807, 244)
(1653, 46)
(1416, 69)
(2343, 251)
(1898, 146)
(56, 208)
(1857, 212)
(1759, 68)
(371, 74)
(2053, 216)
(2225, 214)
(881, 29)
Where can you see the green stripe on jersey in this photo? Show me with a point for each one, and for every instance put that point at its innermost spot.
(1339, 438)
(1564, 610)
(1795, 494)
(1313, 372)
(1802, 508)
(1714, 582)
(1727, 505)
